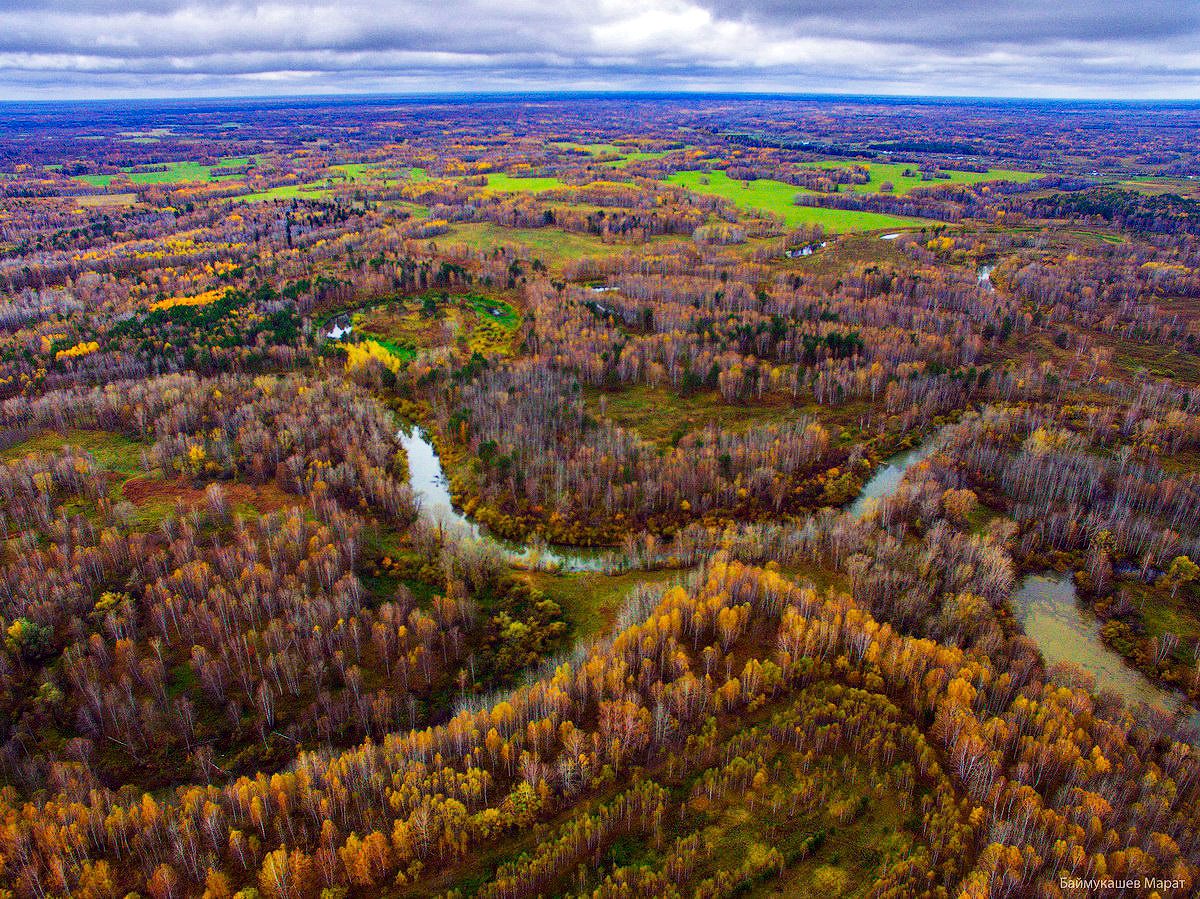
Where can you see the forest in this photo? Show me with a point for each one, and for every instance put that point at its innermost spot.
(599, 498)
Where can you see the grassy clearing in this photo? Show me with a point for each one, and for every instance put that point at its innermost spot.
(374, 173)
(156, 499)
(608, 150)
(776, 197)
(312, 191)
(503, 183)
(662, 417)
(850, 857)
(112, 452)
(359, 170)
(847, 251)
(488, 308)
(1155, 359)
(591, 601)
(415, 209)
(478, 323)
(1155, 186)
(173, 173)
(895, 173)
(152, 497)
(591, 149)
(1162, 613)
(552, 246)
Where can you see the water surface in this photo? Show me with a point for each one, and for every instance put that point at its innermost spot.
(431, 488)
(984, 277)
(886, 478)
(1049, 612)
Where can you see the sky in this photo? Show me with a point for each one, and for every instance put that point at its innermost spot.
(1091, 49)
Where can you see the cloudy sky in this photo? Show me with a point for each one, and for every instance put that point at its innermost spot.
(1043, 48)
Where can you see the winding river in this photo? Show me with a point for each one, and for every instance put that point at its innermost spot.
(886, 478)
(431, 488)
(429, 485)
(1045, 604)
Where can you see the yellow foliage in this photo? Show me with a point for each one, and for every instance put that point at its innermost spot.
(80, 349)
(200, 299)
(359, 355)
(1044, 440)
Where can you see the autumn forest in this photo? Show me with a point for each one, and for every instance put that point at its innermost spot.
(599, 497)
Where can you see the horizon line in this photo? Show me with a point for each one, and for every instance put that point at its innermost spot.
(600, 94)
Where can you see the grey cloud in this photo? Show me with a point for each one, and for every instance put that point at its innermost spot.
(1004, 47)
(960, 22)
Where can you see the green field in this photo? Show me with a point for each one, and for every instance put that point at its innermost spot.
(777, 197)
(488, 307)
(369, 170)
(312, 191)
(480, 323)
(499, 181)
(894, 172)
(173, 173)
(551, 245)
(112, 452)
(591, 600)
(1154, 185)
(374, 172)
(369, 173)
(627, 155)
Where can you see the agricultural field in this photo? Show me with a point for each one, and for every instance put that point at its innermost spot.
(312, 191)
(499, 181)
(1159, 186)
(778, 198)
(551, 246)
(905, 176)
(477, 499)
(93, 200)
(615, 155)
(172, 173)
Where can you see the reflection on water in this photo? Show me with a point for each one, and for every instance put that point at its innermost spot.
(888, 476)
(430, 487)
(1046, 606)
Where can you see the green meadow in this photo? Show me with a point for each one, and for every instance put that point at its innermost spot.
(312, 191)
(173, 173)
(552, 245)
(777, 197)
(902, 183)
(376, 172)
(357, 170)
(627, 155)
(504, 183)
